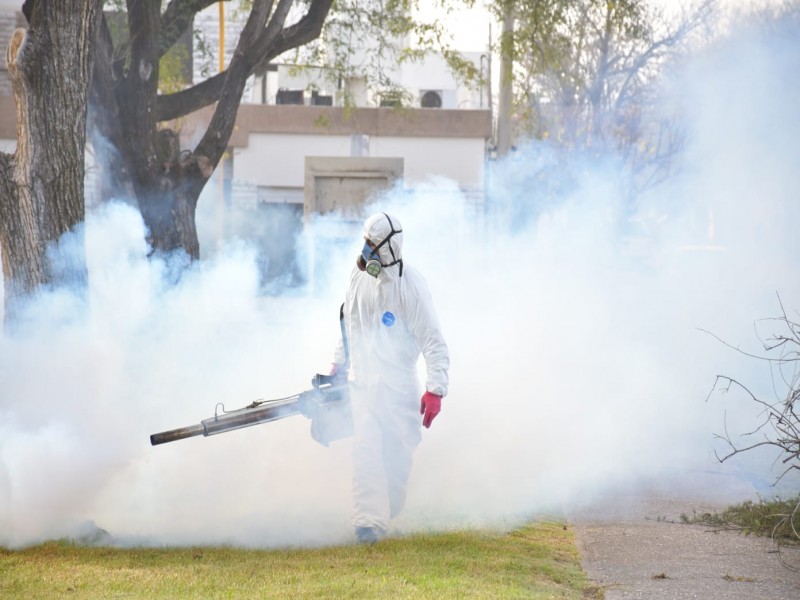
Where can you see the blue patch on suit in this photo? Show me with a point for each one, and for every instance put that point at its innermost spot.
(387, 319)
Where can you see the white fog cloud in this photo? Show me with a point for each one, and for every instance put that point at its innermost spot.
(578, 366)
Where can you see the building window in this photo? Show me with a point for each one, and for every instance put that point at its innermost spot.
(290, 97)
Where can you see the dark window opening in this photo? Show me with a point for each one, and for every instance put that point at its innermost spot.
(431, 99)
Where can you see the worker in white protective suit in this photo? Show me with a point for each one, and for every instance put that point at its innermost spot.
(389, 320)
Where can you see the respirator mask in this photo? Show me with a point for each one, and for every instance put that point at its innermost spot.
(369, 260)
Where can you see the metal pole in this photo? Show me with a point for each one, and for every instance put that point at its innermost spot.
(221, 36)
(483, 84)
(489, 84)
(506, 65)
(221, 168)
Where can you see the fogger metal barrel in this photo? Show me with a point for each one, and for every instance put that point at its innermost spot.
(327, 405)
(229, 421)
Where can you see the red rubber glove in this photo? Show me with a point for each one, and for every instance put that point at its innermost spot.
(338, 372)
(429, 407)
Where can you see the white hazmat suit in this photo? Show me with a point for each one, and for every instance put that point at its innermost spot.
(389, 320)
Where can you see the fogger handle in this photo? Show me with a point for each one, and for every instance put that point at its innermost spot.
(320, 379)
(177, 434)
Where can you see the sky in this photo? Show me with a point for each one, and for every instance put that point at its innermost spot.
(581, 366)
(471, 28)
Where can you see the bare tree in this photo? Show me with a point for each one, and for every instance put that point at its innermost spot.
(585, 72)
(42, 183)
(779, 425)
(133, 110)
(128, 111)
(67, 48)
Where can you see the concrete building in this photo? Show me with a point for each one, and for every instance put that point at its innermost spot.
(290, 112)
(271, 143)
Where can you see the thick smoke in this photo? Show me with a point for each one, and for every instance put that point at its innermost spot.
(578, 364)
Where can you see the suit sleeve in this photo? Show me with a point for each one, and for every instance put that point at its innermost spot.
(425, 327)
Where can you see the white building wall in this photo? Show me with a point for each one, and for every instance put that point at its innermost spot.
(278, 160)
(433, 74)
(455, 158)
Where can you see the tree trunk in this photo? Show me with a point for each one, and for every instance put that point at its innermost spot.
(168, 197)
(42, 184)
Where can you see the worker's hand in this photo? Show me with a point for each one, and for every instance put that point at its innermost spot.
(338, 372)
(337, 375)
(429, 407)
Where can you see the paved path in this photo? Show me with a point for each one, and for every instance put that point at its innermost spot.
(635, 547)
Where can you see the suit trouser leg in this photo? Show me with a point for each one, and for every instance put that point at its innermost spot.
(383, 450)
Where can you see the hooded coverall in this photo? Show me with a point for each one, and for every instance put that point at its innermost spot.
(389, 321)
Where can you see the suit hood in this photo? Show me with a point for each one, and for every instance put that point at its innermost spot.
(380, 226)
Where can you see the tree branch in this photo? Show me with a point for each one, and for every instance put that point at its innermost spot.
(215, 139)
(304, 31)
(179, 104)
(266, 46)
(176, 18)
(780, 425)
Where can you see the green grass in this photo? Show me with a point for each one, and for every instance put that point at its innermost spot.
(537, 561)
(776, 517)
